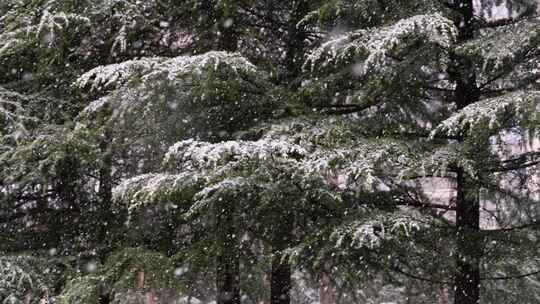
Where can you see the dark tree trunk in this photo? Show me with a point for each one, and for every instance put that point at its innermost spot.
(280, 281)
(280, 276)
(228, 283)
(105, 171)
(104, 299)
(465, 22)
(468, 248)
(105, 183)
(295, 42)
(467, 278)
(227, 38)
(227, 259)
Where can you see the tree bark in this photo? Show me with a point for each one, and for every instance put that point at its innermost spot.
(467, 278)
(295, 42)
(228, 282)
(280, 276)
(468, 250)
(225, 16)
(228, 38)
(280, 281)
(105, 183)
(227, 259)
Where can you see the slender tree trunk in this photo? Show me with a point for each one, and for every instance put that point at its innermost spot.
(228, 282)
(467, 279)
(105, 183)
(280, 277)
(104, 298)
(280, 281)
(227, 37)
(105, 171)
(227, 259)
(228, 256)
(468, 248)
(295, 42)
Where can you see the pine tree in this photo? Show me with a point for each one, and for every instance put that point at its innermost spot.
(310, 128)
(473, 76)
(209, 96)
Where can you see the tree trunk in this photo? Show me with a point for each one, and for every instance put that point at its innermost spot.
(227, 260)
(104, 298)
(227, 37)
(280, 276)
(295, 43)
(467, 279)
(105, 183)
(228, 282)
(280, 281)
(465, 23)
(468, 250)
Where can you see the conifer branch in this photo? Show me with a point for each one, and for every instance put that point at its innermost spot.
(503, 278)
(416, 277)
(520, 162)
(505, 21)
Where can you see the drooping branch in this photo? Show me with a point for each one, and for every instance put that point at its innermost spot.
(505, 21)
(533, 224)
(503, 278)
(416, 277)
(523, 161)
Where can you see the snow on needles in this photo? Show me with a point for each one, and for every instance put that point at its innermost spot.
(114, 75)
(376, 44)
(492, 113)
(195, 154)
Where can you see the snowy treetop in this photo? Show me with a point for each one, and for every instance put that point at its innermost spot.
(114, 75)
(374, 45)
(493, 113)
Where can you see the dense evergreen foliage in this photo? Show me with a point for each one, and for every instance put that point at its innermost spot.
(263, 151)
